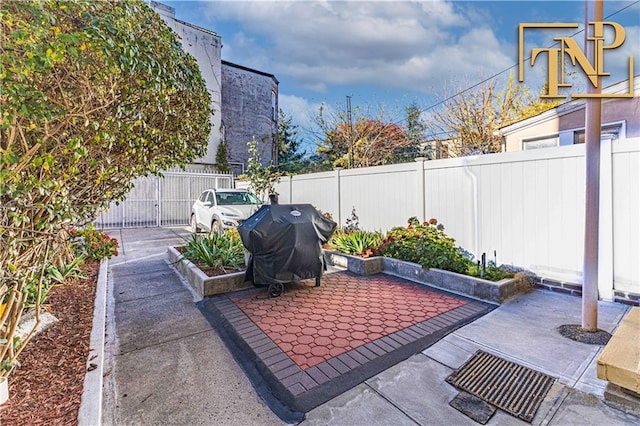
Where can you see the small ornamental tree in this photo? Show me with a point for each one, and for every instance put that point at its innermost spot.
(262, 179)
(93, 95)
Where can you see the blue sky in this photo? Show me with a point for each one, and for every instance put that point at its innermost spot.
(387, 54)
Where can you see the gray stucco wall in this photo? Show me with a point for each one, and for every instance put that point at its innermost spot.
(247, 111)
(206, 47)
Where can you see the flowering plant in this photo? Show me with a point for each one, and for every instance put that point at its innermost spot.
(425, 243)
(93, 243)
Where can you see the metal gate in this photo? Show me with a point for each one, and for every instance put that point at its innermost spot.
(161, 201)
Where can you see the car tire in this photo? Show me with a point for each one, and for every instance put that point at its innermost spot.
(194, 224)
(216, 227)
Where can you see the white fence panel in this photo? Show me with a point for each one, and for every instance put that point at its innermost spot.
(318, 189)
(626, 215)
(449, 199)
(532, 215)
(380, 195)
(526, 206)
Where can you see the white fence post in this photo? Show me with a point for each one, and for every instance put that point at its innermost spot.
(290, 189)
(421, 192)
(605, 236)
(338, 194)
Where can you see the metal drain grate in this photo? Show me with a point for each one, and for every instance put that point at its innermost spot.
(515, 389)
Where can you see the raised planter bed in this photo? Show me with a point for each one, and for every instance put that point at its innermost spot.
(490, 291)
(202, 284)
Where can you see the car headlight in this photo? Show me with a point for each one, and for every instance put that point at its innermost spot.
(229, 214)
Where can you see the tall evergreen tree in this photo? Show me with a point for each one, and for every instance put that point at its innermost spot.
(291, 159)
(415, 129)
(222, 161)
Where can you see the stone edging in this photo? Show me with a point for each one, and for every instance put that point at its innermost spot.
(90, 412)
(489, 291)
(202, 284)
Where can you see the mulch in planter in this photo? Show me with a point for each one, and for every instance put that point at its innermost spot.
(47, 388)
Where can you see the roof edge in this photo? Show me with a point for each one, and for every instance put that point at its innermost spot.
(242, 67)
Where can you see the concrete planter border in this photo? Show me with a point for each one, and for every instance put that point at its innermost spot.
(489, 291)
(202, 284)
(355, 264)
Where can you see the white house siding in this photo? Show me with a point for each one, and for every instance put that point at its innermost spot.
(206, 47)
(248, 111)
(566, 118)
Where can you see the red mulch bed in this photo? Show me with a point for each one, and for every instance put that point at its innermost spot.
(47, 387)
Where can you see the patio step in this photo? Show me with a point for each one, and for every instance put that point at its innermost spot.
(619, 362)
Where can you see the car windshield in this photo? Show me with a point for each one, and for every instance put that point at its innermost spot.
(235, 198)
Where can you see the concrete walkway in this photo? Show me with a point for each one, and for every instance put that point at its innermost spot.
(166, 365)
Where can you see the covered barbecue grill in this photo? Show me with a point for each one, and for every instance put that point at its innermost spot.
(285, 243)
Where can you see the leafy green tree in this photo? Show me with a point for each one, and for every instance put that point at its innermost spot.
(469, 121)
(358, 141)
(94, 94)
(290, 157)
(222, 162)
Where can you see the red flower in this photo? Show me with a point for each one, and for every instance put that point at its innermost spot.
(433, 221)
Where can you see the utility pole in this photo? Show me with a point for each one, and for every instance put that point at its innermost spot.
(351, 162)
(593, 124)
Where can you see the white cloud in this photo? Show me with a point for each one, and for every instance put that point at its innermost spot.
(421, 48)
(301, 112)
(397, 45)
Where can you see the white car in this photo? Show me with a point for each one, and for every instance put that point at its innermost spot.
(219, 209)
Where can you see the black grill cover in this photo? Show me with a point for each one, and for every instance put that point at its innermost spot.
(285, 242)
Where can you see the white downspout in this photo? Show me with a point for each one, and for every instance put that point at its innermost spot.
(474, 179)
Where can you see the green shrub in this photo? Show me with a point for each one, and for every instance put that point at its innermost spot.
(94, 94)
(62, 273)
(31, 290)
(358, 243)
(218, 251)
(426, 244)
(94, 244)
(491, 272)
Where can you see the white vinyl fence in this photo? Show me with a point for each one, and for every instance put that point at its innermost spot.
(161, 201)
(526, 206)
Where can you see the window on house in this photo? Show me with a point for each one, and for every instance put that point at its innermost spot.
(612, 131)
(274, 113)
(544, 142)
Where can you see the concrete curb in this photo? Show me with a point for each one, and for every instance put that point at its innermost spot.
(90, 413)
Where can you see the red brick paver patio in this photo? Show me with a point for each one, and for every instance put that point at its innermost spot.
(314, 324)
(313, 343)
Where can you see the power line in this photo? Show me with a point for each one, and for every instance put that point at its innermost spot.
(461, 92)
(512, 66)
